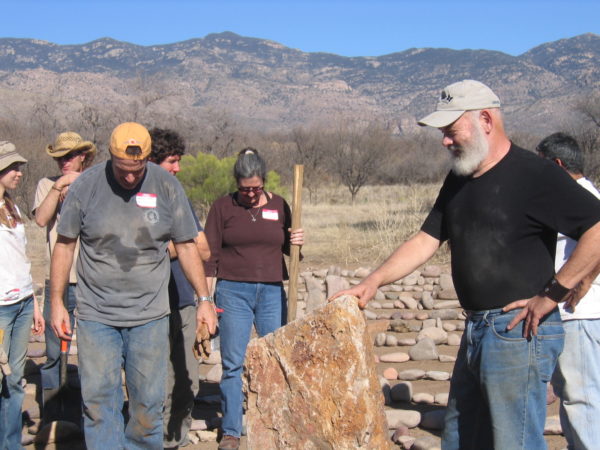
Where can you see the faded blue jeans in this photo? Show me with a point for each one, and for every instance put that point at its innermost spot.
(15, 320)
(243, 304)
(498, 387)
(577, 383)
(142, 351)
(50, 368)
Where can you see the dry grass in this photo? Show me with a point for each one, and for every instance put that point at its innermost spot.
(364, 234)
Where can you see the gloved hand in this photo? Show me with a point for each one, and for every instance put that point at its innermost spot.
(202, 346)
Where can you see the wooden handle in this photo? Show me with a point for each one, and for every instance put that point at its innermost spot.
(295, 249)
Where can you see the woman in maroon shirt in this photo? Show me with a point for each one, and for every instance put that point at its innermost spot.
(248, 233)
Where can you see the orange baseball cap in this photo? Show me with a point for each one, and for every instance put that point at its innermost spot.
(130, 140)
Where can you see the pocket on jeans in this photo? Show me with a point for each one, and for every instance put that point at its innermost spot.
(499, 325)
(548, 346)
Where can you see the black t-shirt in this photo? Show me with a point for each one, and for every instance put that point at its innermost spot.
(502, 227)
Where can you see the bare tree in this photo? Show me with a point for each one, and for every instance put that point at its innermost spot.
(588, 138)
(585, 127)
(358, 155)
(218, 133)
(417, 158)
(93, 124)
(147, 92)
(309, 150)
(589, 107)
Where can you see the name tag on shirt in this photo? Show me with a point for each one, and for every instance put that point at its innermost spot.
(270, 214)
(145, 200)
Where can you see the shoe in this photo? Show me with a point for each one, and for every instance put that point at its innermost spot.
(229, 443)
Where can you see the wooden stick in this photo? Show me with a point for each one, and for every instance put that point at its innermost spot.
(295, 249)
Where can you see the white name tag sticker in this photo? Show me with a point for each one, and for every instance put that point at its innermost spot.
(145, 200)
(270, 214)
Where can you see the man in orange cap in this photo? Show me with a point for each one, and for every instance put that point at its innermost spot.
(72, 155)
(125, 212)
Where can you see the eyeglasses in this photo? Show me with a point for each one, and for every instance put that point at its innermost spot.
(246, 190)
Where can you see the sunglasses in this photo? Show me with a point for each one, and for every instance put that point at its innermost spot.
(255, 190)
(68, 156)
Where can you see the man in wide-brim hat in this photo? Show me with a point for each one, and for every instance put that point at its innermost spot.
(73, 155)
(69, 145)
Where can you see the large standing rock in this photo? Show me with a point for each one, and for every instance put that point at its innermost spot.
(313, 384)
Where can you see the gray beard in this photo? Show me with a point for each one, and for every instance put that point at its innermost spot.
(472, 154)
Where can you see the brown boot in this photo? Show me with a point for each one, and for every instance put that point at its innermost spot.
(229, 443)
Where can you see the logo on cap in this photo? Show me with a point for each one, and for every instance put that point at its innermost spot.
(445, 97)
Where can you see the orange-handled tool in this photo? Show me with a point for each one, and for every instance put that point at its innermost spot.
(64, 352)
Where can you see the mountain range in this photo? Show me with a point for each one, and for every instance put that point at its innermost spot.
(261, 83)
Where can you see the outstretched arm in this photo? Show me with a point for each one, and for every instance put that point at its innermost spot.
(405, 259)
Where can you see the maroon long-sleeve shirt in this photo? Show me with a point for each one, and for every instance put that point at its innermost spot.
(243, 249)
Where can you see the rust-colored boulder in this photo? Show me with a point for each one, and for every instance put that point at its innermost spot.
(312, 384)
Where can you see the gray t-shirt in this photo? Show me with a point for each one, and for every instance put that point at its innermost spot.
(123, 267)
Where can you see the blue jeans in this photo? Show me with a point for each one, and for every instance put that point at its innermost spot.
(142, 351)
(50, 368)
(577, 383)
(498, 387)
(263, 304)
(16, 322)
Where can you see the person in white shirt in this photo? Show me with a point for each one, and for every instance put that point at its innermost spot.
(577, 375)
(18, 307)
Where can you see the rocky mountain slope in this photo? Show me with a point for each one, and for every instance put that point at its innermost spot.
(264, 84)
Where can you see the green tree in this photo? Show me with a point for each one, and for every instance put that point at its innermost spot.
(205, 178)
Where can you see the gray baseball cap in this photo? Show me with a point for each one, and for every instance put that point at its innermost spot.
(456, 99)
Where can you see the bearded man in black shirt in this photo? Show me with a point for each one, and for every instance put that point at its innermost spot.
(500, 209)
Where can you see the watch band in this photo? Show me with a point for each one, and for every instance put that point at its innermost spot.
(205, 298)
(554, 290)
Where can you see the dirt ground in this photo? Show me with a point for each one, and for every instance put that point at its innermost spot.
(208, 411)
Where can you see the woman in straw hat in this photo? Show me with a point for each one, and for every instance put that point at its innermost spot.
(72, 155)
(18, 308)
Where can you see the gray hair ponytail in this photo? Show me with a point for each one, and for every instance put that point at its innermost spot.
(249, 164)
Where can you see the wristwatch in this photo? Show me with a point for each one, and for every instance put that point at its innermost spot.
(204, 298)
(554, 290)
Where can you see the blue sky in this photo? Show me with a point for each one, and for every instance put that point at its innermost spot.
(349, 27)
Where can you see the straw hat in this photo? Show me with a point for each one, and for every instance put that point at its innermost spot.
(9, 155)
(68, 142)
